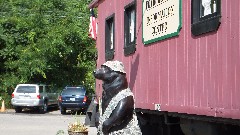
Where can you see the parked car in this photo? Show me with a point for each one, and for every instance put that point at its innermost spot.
(74, 99)
(38, 96)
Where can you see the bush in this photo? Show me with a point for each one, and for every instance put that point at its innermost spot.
(7, 100)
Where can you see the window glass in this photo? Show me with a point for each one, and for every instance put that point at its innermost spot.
(47, 88)
(206, 16)
(132, 26)
(40, 89)
(207, 7)
(26, 89)
(74, 91)
(109, 38)
(111, 34)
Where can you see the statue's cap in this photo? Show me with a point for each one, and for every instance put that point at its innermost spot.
(115, 66)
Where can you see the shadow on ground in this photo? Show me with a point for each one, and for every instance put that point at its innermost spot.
(36, 111)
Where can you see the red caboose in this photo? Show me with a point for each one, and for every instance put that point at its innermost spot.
(182, 59)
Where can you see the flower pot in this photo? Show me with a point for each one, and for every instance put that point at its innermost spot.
(77, 132)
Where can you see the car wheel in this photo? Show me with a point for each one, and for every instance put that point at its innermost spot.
(18, 109)
(43, 109)
(63, 110)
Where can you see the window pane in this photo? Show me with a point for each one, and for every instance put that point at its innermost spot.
(74, 91)
(47, 89)
(206, 15)
(207, 7)
(26, 89)
(111, 35)
(40, 89)
(131, 25)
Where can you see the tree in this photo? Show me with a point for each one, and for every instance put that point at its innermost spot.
(45, 41)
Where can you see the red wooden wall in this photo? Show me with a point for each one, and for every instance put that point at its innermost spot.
(185, 74)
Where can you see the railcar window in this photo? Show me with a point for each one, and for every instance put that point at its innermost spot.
(206, 16)
(130, 28)
(109, 38)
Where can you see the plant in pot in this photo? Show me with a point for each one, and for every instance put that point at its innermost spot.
(77, 128)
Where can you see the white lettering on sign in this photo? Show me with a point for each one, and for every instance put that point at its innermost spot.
(161, 19)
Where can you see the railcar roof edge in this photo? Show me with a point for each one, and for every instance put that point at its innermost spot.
(94, 4)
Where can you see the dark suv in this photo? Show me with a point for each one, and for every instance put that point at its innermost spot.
(74, 99)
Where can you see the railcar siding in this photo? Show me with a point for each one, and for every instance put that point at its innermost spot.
(185, 74)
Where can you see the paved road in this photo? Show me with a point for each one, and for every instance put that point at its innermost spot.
(32, 123)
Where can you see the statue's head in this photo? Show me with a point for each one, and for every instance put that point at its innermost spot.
(109, 71)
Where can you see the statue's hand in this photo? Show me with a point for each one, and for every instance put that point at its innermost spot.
(105, 128)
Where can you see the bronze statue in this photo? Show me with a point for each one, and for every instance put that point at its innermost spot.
(118, 114)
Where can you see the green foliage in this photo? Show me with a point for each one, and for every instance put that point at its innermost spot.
(45, 41)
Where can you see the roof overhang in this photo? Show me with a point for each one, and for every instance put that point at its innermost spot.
(94, 4)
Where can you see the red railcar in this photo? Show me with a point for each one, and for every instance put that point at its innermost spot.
(182, 59)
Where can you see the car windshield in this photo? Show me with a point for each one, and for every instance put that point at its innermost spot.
(74, 91)
(26, 89)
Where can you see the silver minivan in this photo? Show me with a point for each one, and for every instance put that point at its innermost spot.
(38, 96)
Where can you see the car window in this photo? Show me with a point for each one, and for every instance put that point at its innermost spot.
(40, 89)
(73, 91)
(26, 89)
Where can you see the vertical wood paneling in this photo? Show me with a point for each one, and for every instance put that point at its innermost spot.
(217, 59)
(234, 52)
(153, 90)
(171, 70)
(164, 74)
(186, 22)
(225, 89)
(237, 69)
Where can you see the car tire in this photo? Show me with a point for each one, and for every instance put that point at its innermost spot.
(63, 110)
(43, 109)
(18, 109)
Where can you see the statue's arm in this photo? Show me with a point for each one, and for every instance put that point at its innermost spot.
(122, 113)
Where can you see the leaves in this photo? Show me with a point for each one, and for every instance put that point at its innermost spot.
(45, 41)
